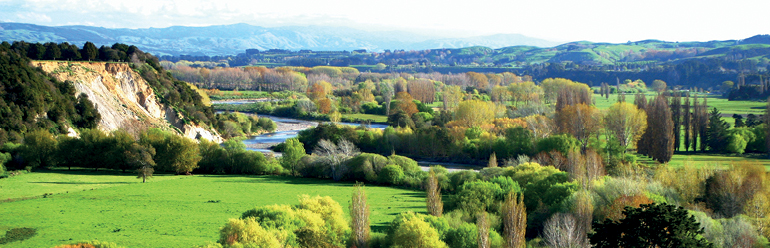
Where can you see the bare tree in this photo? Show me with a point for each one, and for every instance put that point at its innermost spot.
(482, 222)
(335, 155)
(435, 205)
(562, 230)
(514, 215)
(359, 215)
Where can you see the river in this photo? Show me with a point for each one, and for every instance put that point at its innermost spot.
(287, 128)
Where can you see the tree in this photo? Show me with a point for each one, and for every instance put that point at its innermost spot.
(292, 154)
(676, 117)
(514, 215)
(451, 96)
(687, 121)
(405, 104)
(433, 194)
(474, 113)
(650, 225)
(563, 230)
(386, 90)
(482, 223)
(145, 171)
(660, 139)
(238, 232)
(39, 149)
(626, 123)
(659, 85)
(173, 152)
(414, 232)
(716, 133)
(89, 51)
(335, 155)
(359, 215)
(580, 120)
(140, 157)
(738, 120)
(726, 87)
(493, 160)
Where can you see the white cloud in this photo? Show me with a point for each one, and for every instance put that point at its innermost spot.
(34, 17)
(596, 20)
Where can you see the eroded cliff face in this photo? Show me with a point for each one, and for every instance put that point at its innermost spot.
(122, 97)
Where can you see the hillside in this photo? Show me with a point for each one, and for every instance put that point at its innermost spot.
(61, 96)
(236, 38)
(122, 97)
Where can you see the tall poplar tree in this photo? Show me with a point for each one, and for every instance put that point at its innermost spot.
(661, 144)
(676, 116)
(686, 120)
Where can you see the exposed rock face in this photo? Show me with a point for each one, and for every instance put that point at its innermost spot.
(122, 97)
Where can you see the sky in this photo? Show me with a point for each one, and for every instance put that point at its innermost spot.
(556, 20)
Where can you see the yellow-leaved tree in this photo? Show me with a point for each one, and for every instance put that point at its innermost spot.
(474, 113)
(625, 122)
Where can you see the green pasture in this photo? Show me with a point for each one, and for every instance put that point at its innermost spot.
(727, 108)
(375, 118)
(717, 160)
(167, 211)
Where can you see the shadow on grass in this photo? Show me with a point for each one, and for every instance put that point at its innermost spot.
(380, 228)
(83, 182)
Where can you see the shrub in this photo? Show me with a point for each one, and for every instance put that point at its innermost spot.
(93, 244)
(239, 232)
(464, 236)
(18, 234)
(409, 230)
(408, 165)
(365, 166)
(391, 174)
(478, 196)
(459, 178)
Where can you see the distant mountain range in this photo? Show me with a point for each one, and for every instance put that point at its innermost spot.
(236, 38)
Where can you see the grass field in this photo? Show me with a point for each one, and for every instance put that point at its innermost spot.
(375, 118)
(717, 160)
(168, 211)
(727, 108)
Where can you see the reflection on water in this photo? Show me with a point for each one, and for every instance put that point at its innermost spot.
(269, 139)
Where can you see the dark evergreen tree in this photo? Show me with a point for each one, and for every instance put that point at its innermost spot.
(716, 133)
(752, 120)
(650, 225)
(738, 120)
(52, 51)
(89, 52)
(36, 51)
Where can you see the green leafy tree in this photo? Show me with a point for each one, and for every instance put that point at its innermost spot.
(39, 149)
(650, 225)
(173, 152)
(413, 231)
(292, 154)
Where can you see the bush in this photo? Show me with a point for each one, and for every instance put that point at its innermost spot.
(410, 230)
(464, 236)
(365, 166)
(459, 178)
(478, 196)
(391, 174)
(378, 240)
(93, 244)
(18, 234)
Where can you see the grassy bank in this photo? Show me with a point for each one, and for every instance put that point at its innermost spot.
(168, 211)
